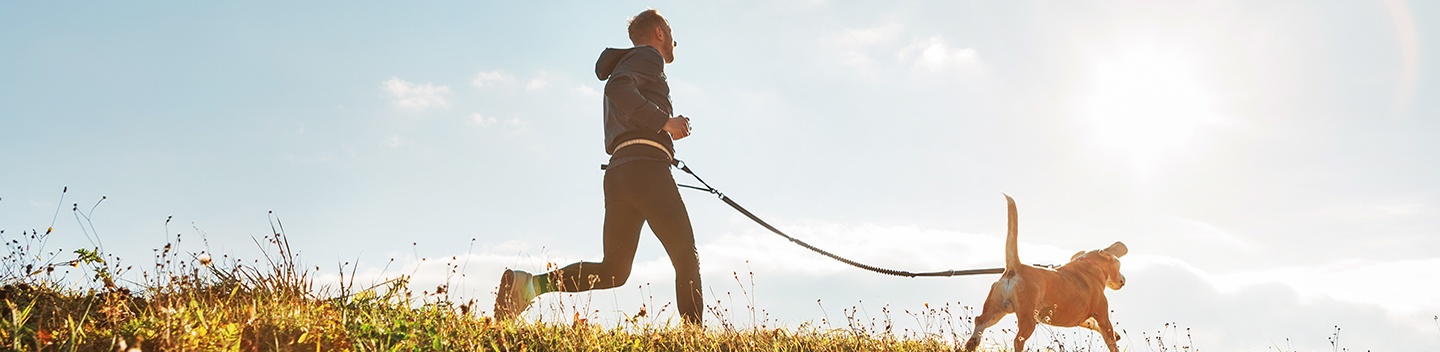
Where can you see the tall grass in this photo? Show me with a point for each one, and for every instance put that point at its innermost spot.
(193, 301)
(186, 304)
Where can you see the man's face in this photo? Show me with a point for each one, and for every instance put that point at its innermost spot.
(667, 43)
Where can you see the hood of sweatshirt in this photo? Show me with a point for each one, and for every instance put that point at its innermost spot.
(608, 59)
(611, 57)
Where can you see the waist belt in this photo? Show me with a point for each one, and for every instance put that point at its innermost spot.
(657, 145)
(639, 141)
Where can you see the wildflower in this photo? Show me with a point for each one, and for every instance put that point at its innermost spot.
(205, 259)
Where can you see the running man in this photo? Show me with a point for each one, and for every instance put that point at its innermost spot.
(639, 136)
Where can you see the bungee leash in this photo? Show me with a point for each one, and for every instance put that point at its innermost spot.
(707, 188)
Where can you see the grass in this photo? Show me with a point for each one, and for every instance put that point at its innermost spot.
(184, 304)
(191, 301)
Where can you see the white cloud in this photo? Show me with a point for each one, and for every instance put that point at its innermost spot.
(417, 97)
(311, 158)
(1400, 286)
(540, 80)
(1411, 206)
(545, 78)
(934, 54)
(1208, 234)
(492, 79)
(537, 84)
(1267, 307)
(857, 47)
(513, 124)
(482, 120)
(872, 51)
(865, 37)
(588, 91)
(395, 141)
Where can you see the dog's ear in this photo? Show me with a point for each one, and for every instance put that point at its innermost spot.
(1118, 249)
(1077, 255)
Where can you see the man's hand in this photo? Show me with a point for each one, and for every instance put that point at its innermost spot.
(679, 127)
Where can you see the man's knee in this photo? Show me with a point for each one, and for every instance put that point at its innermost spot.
(611, 276)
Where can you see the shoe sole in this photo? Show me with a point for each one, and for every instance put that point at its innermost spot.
(504, 307)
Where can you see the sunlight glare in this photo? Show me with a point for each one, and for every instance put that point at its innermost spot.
(1145, 103)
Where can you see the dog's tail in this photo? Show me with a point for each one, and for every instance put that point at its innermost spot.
(1012, 254)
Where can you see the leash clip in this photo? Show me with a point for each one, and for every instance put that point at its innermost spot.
(680, 164)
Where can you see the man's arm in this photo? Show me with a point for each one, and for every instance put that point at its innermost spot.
(626, 97)
(623, 89)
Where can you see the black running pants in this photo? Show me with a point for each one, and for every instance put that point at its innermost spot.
(637, 192)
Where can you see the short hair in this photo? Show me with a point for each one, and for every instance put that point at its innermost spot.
(645, 23)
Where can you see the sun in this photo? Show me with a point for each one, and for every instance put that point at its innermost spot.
(1145, 103)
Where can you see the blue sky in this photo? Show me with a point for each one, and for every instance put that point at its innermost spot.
(1271, 165)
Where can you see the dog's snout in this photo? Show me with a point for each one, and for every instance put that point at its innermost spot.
(1117, 282)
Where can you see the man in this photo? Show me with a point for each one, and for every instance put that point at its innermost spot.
(639, 136)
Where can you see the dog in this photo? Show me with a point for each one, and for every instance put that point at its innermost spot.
(1067, 296)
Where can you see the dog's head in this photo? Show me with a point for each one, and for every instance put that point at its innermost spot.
(1108, 261)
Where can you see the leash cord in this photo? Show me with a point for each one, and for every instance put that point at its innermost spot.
(947, 273)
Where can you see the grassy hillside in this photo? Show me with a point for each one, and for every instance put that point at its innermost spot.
(194, 302)
(190, 301)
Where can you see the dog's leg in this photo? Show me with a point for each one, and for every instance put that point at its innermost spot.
(1106, 330)
(986, 319)
(996, 307)
(1026, 328)
(1092, 325)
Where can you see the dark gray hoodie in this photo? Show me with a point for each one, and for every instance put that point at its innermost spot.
(637, 99)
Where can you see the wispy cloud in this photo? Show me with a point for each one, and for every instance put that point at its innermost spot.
(540, 80)
(858, 38)
(1407, 207)
(416, 97)
(856, 48)
(493, 78)
(1405, 286)
(537, 84)
(483, 121)
(396, 141)
(871, 51)
(1374, 303)
(935, 54)
(1208, 233)
(588, 91)
(1392, 209)
(486, 121)
(544, 78)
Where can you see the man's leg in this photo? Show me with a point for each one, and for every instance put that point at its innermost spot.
(665, 211)
(678, 237)
(621, 237)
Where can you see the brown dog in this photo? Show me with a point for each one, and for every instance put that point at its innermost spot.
(1068, 296)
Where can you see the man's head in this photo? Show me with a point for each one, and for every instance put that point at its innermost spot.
(650, 28)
